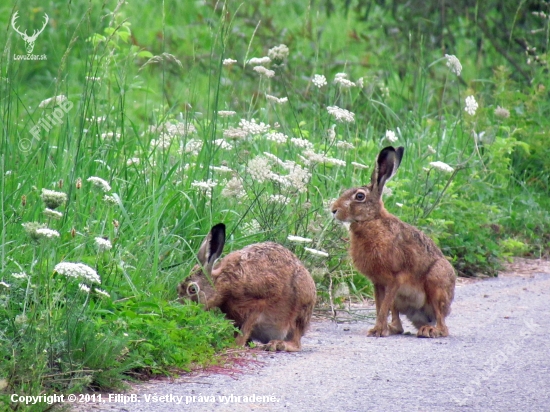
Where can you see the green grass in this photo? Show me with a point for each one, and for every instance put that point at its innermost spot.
(150, 64)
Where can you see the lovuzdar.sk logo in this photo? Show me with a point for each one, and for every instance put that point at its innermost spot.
(29, 40)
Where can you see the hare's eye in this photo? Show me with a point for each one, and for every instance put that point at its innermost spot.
(360, 196)
(192, 289)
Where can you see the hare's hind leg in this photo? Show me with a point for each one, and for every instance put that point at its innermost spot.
(292, 340)
(439, 294)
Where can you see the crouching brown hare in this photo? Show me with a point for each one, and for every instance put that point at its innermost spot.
(409, 272)
(263, 288)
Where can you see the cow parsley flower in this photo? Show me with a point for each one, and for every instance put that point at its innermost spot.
(316, 252)
(253, 128)
(359, 165)
(276, 137)
(444, 167)
(303, 143)
(454, 64)
(341, 80)
(226, 113)
(52, 214)
(344, 145)
(234, 188)
(299, 239)
(341, 115)
(52, 101)
(264, 72)
(279, 52)
(47, 233)
(259, 169)
(502, 112)
(471, 105)
(103, 244)
(390, 136)
(99, 183)
(319, 80)
(84, 288)
(275, 99)
(101, 292)
(229, 62)
(77, 270)
(258, 61)
(53, 199)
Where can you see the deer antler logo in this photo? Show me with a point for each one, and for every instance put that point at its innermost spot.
(29, 40)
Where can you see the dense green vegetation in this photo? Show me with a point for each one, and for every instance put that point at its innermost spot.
(148, 113)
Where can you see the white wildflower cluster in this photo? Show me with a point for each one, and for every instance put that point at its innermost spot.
(96, 119)
(132, 161)
(316, 252)
(221, 169)
(20, 275)
(303, 143)
(341, 115)
(179, 128)
(359, 165)
(162, 143)
(93, 78)
(282, 199)
(47, 233)
(319, 80)
(275, 99)
(471, 105)
(223, 144)
(84, 288)
(259, 169)
(311, 156)
(234, 188)
(360, 82)
(276, 137)
(193, 146)
(52, 101)
(52, 214)
(226, 113)
(77, 270)
(252, 227)
(341, 80)
(253, 128)
(502, 112)
(331, 133)
(53, 199)
(101, 292)
(274, 158)
(299, 239)
(391, 136)
(99, 183)
(205, 186)
(278, 53)
(258, 61)
(444, 167)
(6, 285)
(344, 145)
(229, 62)
(235, 133)
(103, 245)
(110, 200)
(264, 71)
(298, 177)
(454, 64)
(431, 150)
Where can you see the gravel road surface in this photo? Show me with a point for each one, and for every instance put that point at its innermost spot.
(497, 358)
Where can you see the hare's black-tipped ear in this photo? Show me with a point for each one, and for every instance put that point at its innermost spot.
(387, 163)
(212, 246)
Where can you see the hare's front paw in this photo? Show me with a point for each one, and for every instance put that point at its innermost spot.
(378, 332)
(280, 345)
(428, 331)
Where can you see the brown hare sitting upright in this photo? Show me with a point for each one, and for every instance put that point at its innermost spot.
(409, 272)
(263, 288)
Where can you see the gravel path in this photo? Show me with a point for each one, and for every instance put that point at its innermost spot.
(496, 359)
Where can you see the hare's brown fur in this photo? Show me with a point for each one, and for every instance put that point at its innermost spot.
(409, 272)
(264, 289)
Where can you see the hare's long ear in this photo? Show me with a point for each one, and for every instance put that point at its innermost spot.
(212, 247)
(387, 162)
